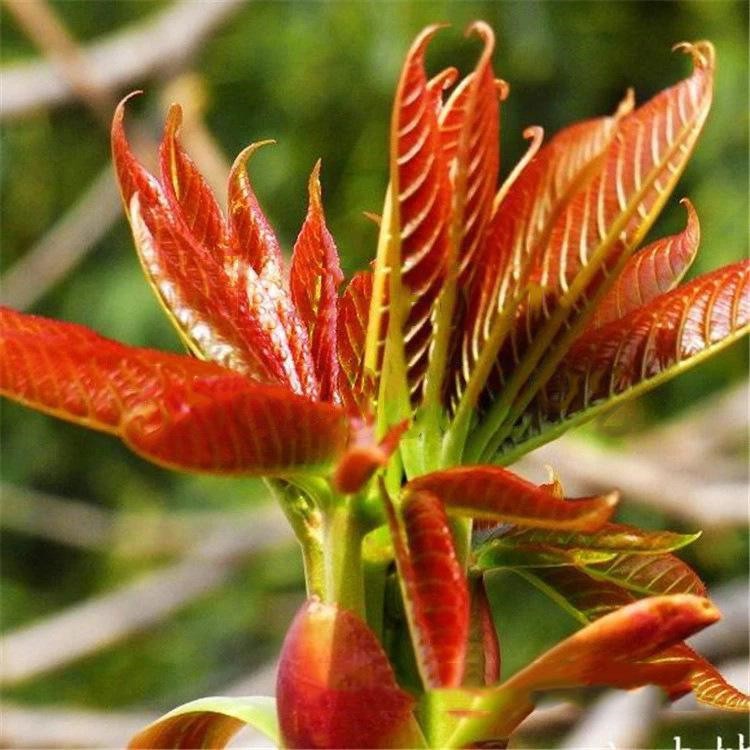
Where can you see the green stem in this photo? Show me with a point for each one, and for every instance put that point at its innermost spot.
(342, 556)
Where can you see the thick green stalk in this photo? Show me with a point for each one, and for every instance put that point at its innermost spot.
(343, 573)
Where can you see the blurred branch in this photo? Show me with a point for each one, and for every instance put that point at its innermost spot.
(86, 628)
(64, 245)
(159, 45)
(42, 25)
(124, 534)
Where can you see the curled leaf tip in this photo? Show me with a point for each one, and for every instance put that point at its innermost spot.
(313, 186)
(443, 80)
(484, 31)
(625, 107)
(702, 53)
(503, 89)
(174, 119)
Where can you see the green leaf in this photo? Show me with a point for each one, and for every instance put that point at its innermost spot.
(497, 554)
(209, 723)
(611, 537)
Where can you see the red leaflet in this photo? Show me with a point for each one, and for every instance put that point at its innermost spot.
(364, 455)
(214, 313)
(419, 176)
(188, 194)
(351, 331)
(253, 238)
(174, 410)
(254, 243)
(629, 354)
(420, 195)
(652, 271)
(336, 688)
(315, 279)
(433, 587)
(494, 493)
(522, 220)
(639, 170)
(483, 651)
(472, 119)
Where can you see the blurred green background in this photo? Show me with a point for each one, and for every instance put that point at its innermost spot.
(318, 77)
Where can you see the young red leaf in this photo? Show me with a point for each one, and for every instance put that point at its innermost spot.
(253, 238)
(254, 243)
(433, 586)
(707, 684)
(171, 409)
(414, 233)
(494, 493)
(226, 318)
(593, 236)
(652, 271)
(471, 119)
(208, 723)
(519, 223)
(336, 688)
(365, 455)
(483, 648)
(315, 279)
(351, 331)
(188, 193)
(626, 357)
(587, 599)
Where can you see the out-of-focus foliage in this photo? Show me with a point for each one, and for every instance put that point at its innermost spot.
(318, 78)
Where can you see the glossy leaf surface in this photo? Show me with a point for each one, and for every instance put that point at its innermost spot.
(483, 649)
(174, 410)
(336, 687)
(208, 723)
(494, 493)
(433, 585)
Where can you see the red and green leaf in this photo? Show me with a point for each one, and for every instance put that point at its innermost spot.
(414, 230)
(612, 537)
(433, 586)
(336, 687)
(588, 599)
(208, 723)
(608, 651)
(520, 221)
(626, 357)
(315, 278)
(174, 410)
(493, 493)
